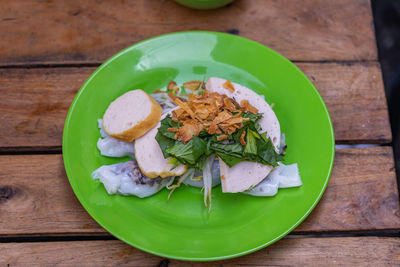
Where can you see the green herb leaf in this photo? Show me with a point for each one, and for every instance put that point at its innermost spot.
(252, 123)
(251, 144)
(255, 134)
(229, 159)
(164, 143)
(188, 153)
(253, 117)
(204, 133)
(183, 90)
(182, 152)
(209, 150)
(236, 136)
(235, 150)
(264, 136)
(199, 146)
(174, 162)
(201, 161)
(166, 123)
(267, 153)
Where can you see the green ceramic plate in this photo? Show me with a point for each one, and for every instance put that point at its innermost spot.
(181, 228)
(204, 4)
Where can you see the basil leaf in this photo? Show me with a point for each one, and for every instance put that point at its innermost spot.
(182, 152)
(264, 136)
(267, 153)
(188, 153)
(236, 136)
(164, 143)
(199, 146)
(204, 133)
(229, 159)
(255, 134)
(235, 150)
(209, 151)
(253, 117)
(251, 144)
(201, 162)
(166, 123)
(252, 123)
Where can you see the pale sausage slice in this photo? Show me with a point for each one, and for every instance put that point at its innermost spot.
(131, 115)
(242, 176)
(245, 175)
(269, 122)
(150, 158)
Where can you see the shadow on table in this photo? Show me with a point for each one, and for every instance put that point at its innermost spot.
(387, 28)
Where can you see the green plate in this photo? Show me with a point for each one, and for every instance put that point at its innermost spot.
(204, 4)
(182, 228)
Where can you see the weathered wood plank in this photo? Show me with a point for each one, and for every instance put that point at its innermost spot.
(355, 97)
(75, 253)
(37, 32)
(38, 199)
(35, 102)
(335, 251)
(362, 195)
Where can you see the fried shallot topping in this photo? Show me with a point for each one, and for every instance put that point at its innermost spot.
(247, 107)
(228, 85)
(213, 112)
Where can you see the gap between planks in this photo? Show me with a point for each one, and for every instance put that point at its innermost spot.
(348, 251)
(101, 236)
(341, 144)
(74, 64)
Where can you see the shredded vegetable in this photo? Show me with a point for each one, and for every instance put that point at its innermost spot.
(187, 175)
(207, 179)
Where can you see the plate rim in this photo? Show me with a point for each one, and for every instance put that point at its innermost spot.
(230, 256)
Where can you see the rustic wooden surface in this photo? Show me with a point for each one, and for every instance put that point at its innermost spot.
(333, 251)
(361, 195)
(49, 48)
(43, 32)
(36, 101)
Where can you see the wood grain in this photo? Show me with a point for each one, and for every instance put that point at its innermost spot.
(355, 97)
(37, 199)
(35, 103)
(339, 251)
(52, 32)
(361, 195)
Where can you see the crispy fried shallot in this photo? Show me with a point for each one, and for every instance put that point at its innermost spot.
(212, 112)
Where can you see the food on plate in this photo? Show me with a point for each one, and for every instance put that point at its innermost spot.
(197, 179)
(126, 179)
(209, 133)
(269, 122)
(232, 176)
(151, 160)
(283, 176)
(123, 119)
(223, 121)
(112, 147)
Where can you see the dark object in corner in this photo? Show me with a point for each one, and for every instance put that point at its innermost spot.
(233, 31)
(387, 29)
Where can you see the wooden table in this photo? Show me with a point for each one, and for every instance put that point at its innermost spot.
(49, 48)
